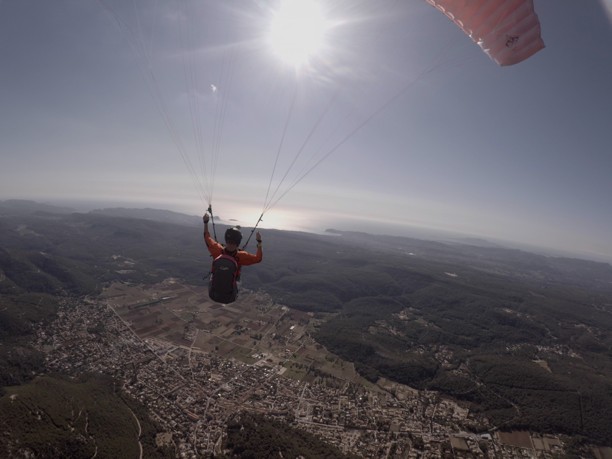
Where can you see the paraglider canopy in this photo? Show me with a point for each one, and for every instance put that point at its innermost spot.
(507, 30)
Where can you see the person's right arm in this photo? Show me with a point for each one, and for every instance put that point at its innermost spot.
(214, 247)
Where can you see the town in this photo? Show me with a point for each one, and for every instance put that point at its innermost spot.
(189, 362)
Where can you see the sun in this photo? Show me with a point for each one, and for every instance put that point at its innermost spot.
(297, 31)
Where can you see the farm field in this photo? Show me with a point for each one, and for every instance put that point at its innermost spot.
(253, 330)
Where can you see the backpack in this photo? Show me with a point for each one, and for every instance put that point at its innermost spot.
(223, 282)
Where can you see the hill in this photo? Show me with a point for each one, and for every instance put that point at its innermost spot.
(520, 337)
(55, 417)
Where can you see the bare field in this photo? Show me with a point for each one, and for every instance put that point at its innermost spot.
(254, 329)
(521, 439)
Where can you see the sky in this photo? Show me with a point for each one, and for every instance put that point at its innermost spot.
(396, 121)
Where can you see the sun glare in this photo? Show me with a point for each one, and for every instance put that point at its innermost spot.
(297, 31)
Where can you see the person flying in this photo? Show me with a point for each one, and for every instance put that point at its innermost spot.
(227, 263)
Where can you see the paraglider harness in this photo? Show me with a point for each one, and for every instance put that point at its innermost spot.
(224, 273)
(223, 279)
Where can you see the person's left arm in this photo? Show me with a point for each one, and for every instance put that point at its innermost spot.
(247, 258)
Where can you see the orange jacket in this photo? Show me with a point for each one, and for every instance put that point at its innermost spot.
(242, 257)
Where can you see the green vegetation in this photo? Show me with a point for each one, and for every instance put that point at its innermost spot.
(56, 417)
(500, 330)
(253, 435)
(19, 314)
